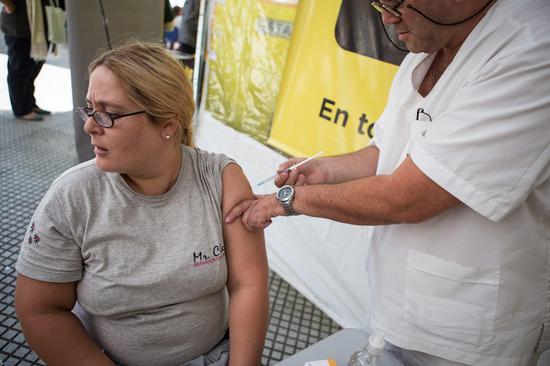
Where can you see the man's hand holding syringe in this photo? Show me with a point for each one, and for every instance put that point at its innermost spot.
(288, 172)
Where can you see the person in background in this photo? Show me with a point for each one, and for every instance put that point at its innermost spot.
(169, 25)
(22, 69)
(177, 10)
(456, 183)
(127, 259)
(189, 20)
(171, 35)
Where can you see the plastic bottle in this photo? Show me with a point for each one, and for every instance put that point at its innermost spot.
(370, 355)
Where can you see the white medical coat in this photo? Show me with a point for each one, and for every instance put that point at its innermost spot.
(472, 284)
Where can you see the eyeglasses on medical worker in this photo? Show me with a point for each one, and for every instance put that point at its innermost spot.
(391, 6)
(104, 119)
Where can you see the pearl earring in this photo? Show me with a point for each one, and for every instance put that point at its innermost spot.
(167, 137)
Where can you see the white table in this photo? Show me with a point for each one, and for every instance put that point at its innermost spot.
(338, 346)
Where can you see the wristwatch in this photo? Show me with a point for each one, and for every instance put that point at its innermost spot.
(285, 195)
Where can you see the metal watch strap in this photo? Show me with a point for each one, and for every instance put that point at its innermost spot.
(289, 210)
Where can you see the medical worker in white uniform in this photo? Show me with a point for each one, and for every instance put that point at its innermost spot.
(456, 181)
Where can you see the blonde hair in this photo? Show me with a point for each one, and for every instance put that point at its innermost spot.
(155, 81)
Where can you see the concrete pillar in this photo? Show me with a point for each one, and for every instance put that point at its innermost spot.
(126, 19)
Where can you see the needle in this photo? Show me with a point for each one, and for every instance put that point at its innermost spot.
(288, 170)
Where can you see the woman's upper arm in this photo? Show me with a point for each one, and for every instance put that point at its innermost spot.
(34, 297)
(245, 250)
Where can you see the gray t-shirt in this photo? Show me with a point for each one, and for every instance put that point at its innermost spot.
(151, 270)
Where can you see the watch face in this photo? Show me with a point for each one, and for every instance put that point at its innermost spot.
(285, 193)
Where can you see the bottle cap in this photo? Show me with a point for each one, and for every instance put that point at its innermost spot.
(376, 345)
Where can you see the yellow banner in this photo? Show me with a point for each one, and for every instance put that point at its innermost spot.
(330, 96)
(248, 46)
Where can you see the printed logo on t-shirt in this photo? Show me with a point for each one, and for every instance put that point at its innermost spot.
(216, 252)
(33, 236)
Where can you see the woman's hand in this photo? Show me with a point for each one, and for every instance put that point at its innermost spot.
(49, 326)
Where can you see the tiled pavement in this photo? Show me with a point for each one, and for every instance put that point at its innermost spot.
(31, 156)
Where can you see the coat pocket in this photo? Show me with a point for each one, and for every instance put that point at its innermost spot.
(449, 303)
